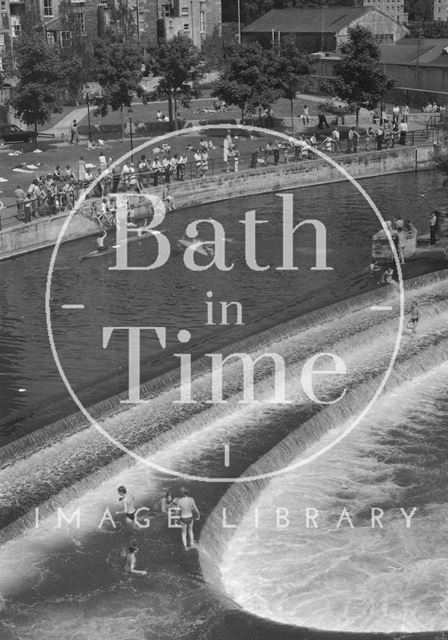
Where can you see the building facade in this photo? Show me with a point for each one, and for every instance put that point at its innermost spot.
(194, 18)
(324, 29)
(148, 21)
(392, 8)
(441, 10)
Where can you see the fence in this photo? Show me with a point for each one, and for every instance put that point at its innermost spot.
(64, 196)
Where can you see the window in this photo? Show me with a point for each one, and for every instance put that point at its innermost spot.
(202, 21)
(166, 10)
(1, 63)
(48, 7)
(3, 5)
(16, 30)
(78, 19)
(186, 27)
(66, 38)
(2, 39)
(184, 11)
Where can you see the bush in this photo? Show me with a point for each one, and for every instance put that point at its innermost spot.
(441, 163)
(329, 106)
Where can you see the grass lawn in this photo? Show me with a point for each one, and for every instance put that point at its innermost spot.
(63, 154)
(147, 113)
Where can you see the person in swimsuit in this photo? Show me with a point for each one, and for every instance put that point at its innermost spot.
(415, 316)
(128, 504)
(188, 513)
(100, 241)
(131, 560)
(387, 276)
(167, 501)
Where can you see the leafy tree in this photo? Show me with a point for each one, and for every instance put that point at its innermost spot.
(253, 9)
(41, 82)
(428, 29)
(419, 10)
(441, 163)
(76, 54)
(180, 66)
(248, 79)
(359, 76)
(118, 68)
(290, 68)
(123, 24)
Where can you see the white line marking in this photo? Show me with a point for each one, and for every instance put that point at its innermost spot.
(73, 306)
(380, 308)
(226, 455)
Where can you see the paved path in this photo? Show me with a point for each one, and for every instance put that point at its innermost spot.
(64, 124)
(418, 120)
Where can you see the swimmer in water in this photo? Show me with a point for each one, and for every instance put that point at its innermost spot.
(415, 317)
(100, 241)
(167, 501)
(128, 505)
(188, 513)
(131, 560)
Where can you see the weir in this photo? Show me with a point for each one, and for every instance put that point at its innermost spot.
(363, 577)
(25, 446)
(262, 438)
(79, 457)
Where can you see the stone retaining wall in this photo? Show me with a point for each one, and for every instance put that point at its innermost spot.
(43, 232)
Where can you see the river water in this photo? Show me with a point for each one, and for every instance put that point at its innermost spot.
(68, 581)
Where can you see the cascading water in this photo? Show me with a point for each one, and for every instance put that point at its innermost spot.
(364, 578)
(375, 465)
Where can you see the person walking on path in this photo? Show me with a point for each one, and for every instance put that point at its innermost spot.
(433, 228)
(322, 119)
(74, 137)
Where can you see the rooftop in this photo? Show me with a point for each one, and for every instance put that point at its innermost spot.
(327, 20)
(408, 50)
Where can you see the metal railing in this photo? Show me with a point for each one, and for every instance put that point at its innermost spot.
(60, 199)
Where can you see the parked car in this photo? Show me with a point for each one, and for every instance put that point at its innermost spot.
(13, 133)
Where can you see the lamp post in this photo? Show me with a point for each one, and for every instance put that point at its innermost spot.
(239, 21)
(88, 115)
(130, 132)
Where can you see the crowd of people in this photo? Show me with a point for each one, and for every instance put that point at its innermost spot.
(58, 191)
(433, 107)
(181, 513)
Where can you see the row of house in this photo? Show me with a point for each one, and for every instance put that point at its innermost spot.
(419, 66)
(154, 21)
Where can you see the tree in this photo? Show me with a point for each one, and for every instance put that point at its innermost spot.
(419, 10)
(180, 66)
(41, 82)
(118, 68)
(441, 164)
(359, 77)
(290, 68)
(248, 79)
(76, 53)
(253, 9)
(428, 29)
